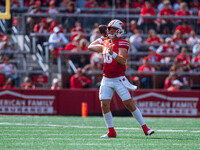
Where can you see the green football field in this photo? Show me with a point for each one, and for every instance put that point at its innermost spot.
(76, 133)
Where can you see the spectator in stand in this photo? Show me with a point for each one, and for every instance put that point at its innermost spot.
(27, 84)
(66, 3)
(105, 4)
(176, 5)
(73, 46)
(119, 3)
(78, 80)
(41, 28)
(196, 48)
(176, 85)
(153, 38)
(133, 26)
(52, 8)
(2, 80)
(154, 57)
(167, 48)
(35, 9)
(139, 4)
(184, 28)
(3, 42)
(77, 30)
(166, 25)
(154, 3)
(147, 23)
(128, 5)
(146, 79)
(182, 12)
(70, 21)
(15, 3)
(56, 41)
(9, 84)
(83, 44)
(178, 39)
(136, 40)
(168, 81)
(8, 69)
(196, 60)
(91, 4)
(195, 5)
(193, 39)
(176, 67)
(28, 3)
(161, 5)
(55, 84)
(184, 59)
(55, 24)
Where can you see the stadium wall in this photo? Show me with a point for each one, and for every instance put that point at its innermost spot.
(155, 103)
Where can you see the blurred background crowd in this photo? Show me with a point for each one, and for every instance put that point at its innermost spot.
(164, 43)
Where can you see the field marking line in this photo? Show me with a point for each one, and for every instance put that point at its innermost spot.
(88, 127)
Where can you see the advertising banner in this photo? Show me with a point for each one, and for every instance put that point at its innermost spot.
(164, 103)
(37, 102)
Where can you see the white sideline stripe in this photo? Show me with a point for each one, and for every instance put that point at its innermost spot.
(89, 127)
(26, 96)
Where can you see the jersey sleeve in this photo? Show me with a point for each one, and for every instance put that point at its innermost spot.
(124, 44)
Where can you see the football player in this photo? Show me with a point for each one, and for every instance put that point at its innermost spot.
(115, 53)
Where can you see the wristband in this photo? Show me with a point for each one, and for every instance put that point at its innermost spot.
(100, 40)
(114, 55)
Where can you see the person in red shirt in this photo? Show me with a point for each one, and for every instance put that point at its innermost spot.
(146, 79)
(27, 84)
(182, 12)
(176, 85)
(115, 54)
(41, 27)
(166, 25)
(178, 39)
(105, 4)
(139, 4)
(78, 80)
(147, 23)
(184, 59)
(54, 24)
(184, 28)
(9, 84)
(196, 60)
(168, 47)
(168, 81)
(153, 38)
(91, 4)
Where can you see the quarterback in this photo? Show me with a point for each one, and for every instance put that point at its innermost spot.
(115, 53)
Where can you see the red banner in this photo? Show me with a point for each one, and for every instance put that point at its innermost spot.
(68, 102)
(164, 103)
(36, 102)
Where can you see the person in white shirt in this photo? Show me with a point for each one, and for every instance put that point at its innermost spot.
(196, 48)
(56, 41)
(135, 40)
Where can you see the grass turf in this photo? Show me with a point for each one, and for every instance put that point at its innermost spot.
(62, 132)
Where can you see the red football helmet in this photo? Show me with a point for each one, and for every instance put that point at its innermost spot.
(117, 24)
